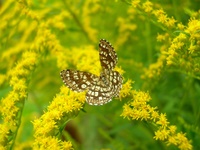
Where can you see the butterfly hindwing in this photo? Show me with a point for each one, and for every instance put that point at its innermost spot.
(100, 93)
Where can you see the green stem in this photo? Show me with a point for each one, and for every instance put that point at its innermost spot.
(148, 40)
(18, 119)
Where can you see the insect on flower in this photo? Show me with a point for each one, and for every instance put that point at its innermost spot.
(100, 89)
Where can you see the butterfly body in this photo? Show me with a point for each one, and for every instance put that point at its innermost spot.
(100, 89)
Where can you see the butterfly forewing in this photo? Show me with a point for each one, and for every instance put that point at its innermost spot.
(107, 55)
(78, 80)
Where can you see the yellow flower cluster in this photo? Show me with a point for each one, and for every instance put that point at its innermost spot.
(25, 10)
(87, 59)
(164, 19)
(12, 105)
(181, 51)
(126, 89)
(64, 106)
(154, 70)
(139, 109)
(150, 9)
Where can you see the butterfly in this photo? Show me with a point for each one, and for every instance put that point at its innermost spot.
(100, 89)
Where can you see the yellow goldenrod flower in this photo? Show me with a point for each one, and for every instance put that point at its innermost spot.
(154, 114)
(147, 6)
(162, 134)
(172, 129)
(64, 106)
(87, 59)
(135, 3)
(180, 26)
(12, 105)
(172, 140)
(139, 109)
(183, 142)
(66, 145)
(161, 38)
(193, 27)
(170, 23)
(126, 90)
(162, 121)
(160, 14)
(192, 48)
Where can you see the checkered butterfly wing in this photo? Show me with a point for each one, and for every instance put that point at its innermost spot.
(105, 89)
(100, 90)
(107, 55)
(115, 80)
(78, 80)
